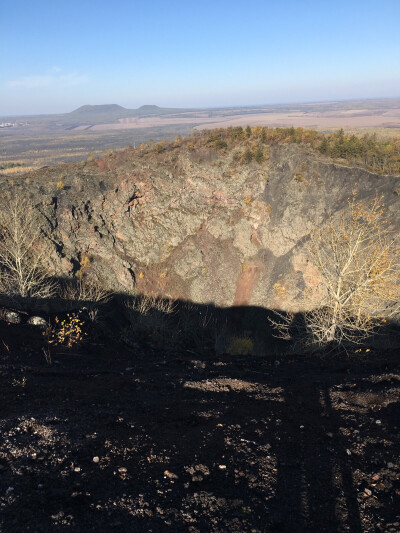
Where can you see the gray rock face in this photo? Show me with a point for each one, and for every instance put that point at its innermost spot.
(199, 227)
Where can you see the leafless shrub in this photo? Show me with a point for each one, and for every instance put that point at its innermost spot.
(152, 319)
(23, 275)
(84, 292)
(167, 323)
(146, 304)
(357, 257)
(197, 326)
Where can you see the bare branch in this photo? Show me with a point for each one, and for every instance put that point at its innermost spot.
(358, 259)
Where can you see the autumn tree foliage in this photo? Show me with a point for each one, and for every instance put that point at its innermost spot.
(381, 155)
(378, 155)
(357, 257)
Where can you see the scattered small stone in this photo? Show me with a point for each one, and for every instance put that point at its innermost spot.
(375, 477)
(10, 490)
(368, 492)
(348, 452)
(37, 321)
(330, 435)
(77, 469)
(170, 475)
(390, 465)
(96, 459)
(122, 470)
(12, 317)
(378, 422)
(34, 455)
(301, 427)
(222, 467)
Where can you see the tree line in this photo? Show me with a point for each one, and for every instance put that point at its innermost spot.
(380, 155)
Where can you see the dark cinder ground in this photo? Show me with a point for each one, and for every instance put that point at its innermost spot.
(109, 438)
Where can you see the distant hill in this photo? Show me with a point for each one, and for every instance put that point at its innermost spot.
(95, 114)
(98, 109)
(149, 109)
(112, 112)
(115, 109)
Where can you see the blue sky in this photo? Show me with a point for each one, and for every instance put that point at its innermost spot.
(56, 56)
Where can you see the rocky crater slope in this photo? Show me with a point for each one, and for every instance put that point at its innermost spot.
(197, 219)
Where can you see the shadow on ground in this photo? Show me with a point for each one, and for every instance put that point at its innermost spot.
(118, 437)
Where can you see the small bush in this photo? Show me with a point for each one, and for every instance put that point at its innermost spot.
(160, 147)
(219, 144)
(68, 332)
(247, 156)
(259, 155)
(240, 346)
(81, 292)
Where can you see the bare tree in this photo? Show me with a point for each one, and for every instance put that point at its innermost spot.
(357, 258)
(22, 274)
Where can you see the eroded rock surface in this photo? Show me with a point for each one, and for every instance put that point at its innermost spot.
(196, 224)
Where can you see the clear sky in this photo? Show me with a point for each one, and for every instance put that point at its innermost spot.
(58, 55)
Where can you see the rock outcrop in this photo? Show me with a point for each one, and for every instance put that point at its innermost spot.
(194, 223)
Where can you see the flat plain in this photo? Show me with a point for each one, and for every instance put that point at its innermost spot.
(36, 141)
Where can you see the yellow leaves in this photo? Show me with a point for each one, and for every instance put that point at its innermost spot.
(358, 261)
(86, 261)
(19, 382)
(67, 332)
(279, 289)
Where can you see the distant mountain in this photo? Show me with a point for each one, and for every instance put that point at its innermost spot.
(149, 109)
(97, 114)
(115, 109)
(100, 109)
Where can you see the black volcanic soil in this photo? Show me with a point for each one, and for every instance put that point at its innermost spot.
(118, 439)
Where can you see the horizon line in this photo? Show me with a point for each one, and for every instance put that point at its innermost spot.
(243, 106)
